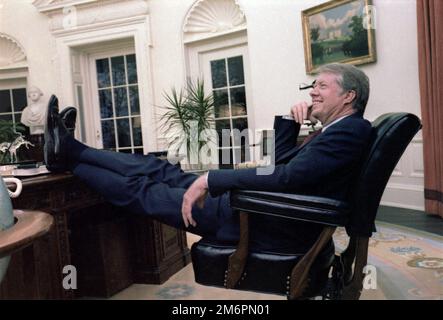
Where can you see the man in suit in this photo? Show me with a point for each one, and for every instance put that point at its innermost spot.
(325, 166)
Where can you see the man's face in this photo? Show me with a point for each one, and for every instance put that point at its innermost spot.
(329, 102)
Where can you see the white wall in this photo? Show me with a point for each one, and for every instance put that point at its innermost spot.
(275, 40)
(167, 48)
(21, 20)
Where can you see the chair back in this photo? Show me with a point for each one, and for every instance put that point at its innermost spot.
(392, 132)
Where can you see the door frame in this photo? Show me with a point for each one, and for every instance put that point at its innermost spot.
(137, 29)
(206, 57)
(194, 53)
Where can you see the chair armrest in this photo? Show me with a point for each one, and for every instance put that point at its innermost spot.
(30, 226)
(291, 206)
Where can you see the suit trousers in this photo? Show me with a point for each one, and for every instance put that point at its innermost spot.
(145, 184)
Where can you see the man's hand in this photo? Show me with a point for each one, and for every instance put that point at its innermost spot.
(196, 193)
(302, 111)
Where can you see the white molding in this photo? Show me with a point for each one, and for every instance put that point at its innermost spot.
(138, 30)
(101, 26)
(193, 50)
(104, 48)
(77, 16)
(199, 38)
(402, 205)
(404, 196)
(12, 54)
(15, 66)
(211, 18)
(417, 140)
(416, 159)
(45, 6)
(417, 175)
(404, 186)
(13, 73)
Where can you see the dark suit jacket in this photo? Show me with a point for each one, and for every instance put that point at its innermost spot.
(326, 166)
(323, 167)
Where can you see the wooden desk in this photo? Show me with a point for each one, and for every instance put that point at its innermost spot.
(110, 248)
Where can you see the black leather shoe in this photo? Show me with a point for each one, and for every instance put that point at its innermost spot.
(55, 133)
(69, 117)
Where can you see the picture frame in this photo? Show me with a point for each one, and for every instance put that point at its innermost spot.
(339, 31)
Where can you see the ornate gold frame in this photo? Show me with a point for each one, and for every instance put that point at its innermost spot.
(305, 14)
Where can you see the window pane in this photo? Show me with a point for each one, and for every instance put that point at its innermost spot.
(242, 154)
(125, 151)
(123, 133)
(108, 133)
(118, 71)
(242, 137)
(6, 117)
(19, 99)
(132, 68)
(138, 150)
(223, 134)
(218, 73)
(137, 131)
(221, 104)
(240, 124)
(133, 98)
(236, 74)
(105, 98)
(121, 102)
(103, 78)
(225, 159)
(238, 101)
(17, 117)
(5, 101)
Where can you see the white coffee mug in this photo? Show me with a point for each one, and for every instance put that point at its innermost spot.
(18, 186)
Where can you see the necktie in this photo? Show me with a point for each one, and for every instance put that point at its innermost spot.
(310, 137)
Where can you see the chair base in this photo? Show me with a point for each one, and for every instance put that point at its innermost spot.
(210, 262)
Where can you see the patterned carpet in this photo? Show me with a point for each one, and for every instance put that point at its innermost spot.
(406, 263)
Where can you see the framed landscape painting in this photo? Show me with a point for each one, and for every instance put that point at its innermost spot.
(339, 31)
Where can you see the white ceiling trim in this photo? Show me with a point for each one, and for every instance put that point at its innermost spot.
(209, 18)
(12, 54)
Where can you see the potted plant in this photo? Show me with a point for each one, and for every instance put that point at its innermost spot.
(9, 132)
(187, 123)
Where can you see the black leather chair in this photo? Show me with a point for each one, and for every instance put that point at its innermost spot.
(319, 272)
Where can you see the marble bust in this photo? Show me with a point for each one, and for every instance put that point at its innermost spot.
(34, 114)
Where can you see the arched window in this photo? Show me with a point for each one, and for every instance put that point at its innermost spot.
(215, 42)
(13, 73)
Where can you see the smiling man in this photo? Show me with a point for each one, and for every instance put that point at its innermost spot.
(324, 166)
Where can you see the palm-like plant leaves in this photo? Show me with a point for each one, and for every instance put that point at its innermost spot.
(183, 108)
